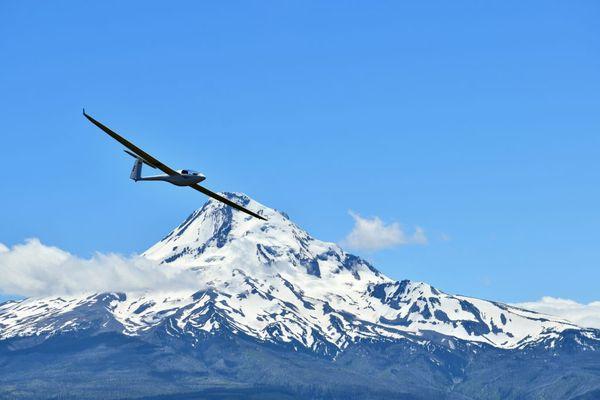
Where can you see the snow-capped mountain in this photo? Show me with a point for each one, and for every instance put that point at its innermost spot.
(273, 282)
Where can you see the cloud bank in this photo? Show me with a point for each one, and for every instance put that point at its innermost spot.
(586, 315)
(34, 269)
(373, 234)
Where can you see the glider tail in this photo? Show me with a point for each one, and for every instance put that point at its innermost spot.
(136, 172)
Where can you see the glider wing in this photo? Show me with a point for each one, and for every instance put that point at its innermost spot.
(225, 200)
(147, 158)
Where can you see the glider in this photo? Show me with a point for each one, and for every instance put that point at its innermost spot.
(182, 177)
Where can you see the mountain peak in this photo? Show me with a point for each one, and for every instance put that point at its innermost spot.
(217, 235)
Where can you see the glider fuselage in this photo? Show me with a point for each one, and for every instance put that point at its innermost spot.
(180, 177)
(178, 180)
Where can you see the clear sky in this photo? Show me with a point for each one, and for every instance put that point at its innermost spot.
(477, 121)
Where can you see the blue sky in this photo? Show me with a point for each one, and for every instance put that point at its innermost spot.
(477, 121)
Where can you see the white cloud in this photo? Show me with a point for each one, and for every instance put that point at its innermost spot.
(34, 269)
(587, 315)
(373, 234)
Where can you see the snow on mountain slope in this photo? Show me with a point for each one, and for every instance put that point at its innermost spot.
(274, 282)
